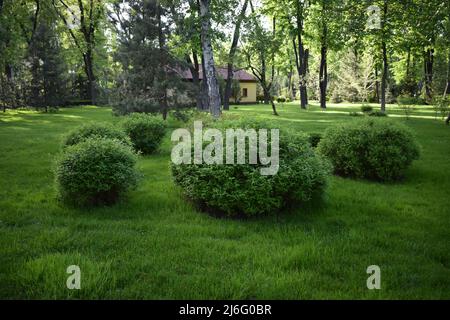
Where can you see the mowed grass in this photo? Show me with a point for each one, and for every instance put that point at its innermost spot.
(156, 245)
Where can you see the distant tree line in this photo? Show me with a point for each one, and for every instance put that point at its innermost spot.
(132, 53)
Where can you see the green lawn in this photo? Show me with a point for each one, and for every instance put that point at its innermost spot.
(156, 245)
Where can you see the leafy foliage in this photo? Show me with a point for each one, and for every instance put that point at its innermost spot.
(95, 171)
(98, 130)
(241, 190)
(366, 108)
(370, 148)
(145, 131)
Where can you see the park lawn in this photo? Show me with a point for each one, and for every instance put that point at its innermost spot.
(155, 245)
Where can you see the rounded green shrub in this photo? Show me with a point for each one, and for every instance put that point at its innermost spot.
(241, 190)
(366, 108)
(369, 148)
(92, 130)
(145, 131)
(95, 171)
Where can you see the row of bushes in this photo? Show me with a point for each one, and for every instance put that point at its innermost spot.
(368, 148)
(280, 99)
(98, 162)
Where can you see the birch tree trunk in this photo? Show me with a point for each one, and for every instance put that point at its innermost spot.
(210, 75)
(385, 62)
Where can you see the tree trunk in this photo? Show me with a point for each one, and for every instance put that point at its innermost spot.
(384, 78)
(377, 85)
(428, 68)
(89, 70)
(303, 88)
(163, 56)
(300, 58)
(385, 62)
(268, 98)
(291, 96)
(408, 62)
(204, 88)
(229, 80)
(274, 109)
(211, 79)
(9, 72)
(194, 67)
(447, 88)
(323, 77)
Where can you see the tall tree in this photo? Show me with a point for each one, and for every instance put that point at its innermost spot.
(150, 81)
(231, 55)
(292, 15)
(188, 28)
(301, 53)
(261, 47)
(48, 69)
(210, 71)
(82, 20)
(325, 29)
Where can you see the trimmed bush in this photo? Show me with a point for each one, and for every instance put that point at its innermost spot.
(92, 130)
(145, 131)
(95, 171)
(281, 99)
(366, 108)
(241, 190)
(370, 148)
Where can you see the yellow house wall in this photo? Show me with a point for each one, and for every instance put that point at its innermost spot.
(251, 92)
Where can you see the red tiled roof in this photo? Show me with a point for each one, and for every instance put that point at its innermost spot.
(240, 74)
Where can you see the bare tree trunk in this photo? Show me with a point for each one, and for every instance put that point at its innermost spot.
(323, 76)
(303, 88)
(428, 68)
(301, 56)
(385, 62)
(408, 62)
(377, 85)
(290, 82)
(89, 70)
(384, 78)
(447, 88)
(210, 75)
(204, 88)
(194, 67)
(229, 80)
(162, 43)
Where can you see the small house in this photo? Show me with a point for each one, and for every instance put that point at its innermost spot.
(247, 83)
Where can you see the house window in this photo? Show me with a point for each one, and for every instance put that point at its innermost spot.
(244, 92)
